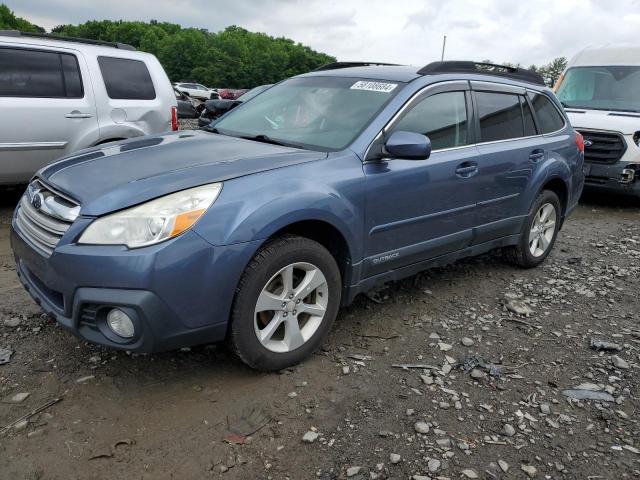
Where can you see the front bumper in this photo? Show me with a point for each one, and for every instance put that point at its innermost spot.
(619, 178)
(179, 293)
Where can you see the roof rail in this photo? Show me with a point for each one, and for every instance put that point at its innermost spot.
(17, 33)
(337, 65)
(484, 69)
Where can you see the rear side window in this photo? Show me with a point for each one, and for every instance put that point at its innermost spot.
(126, 79)
(39, 74)
(442, 117)
(549, 119)
(500, 116)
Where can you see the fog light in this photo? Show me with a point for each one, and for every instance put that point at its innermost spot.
(120, 323)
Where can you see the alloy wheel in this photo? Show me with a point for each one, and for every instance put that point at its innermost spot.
(542, 230)
(291, 307)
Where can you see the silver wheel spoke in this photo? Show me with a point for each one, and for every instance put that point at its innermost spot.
(548, 225)
(534, 245)
(317, 310)
(533, 234)
(267, 301)
(267, 332)
(292, 334)
(287, 278)
(312, 280)
(544, 243)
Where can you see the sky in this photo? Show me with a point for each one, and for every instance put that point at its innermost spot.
(394, 31)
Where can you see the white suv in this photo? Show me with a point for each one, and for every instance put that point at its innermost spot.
(196, 90)
(59, 95)
(600, 90)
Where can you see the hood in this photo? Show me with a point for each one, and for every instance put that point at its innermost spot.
(619, 122)
(118, 175)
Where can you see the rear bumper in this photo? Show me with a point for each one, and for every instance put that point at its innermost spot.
(178, 293)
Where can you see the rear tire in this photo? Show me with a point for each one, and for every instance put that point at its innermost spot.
(539, 232)
(285, 304)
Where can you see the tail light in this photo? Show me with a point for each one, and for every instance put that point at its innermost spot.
(580, 142)
(174, 118)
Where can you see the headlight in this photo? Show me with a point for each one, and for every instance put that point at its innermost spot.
(154, 221)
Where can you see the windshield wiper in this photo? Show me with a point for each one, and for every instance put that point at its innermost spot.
(266, 139)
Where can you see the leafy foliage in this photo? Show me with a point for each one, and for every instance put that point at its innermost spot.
(8, 21)
(232, 58)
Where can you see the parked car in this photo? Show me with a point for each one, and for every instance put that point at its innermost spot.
(216, 108)
(231, 94)
(186, 109)
(59, 95)
(318, 189)
(600, 90)
(196, 90)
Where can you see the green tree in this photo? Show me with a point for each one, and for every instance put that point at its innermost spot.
(9, 21)
(234, 57)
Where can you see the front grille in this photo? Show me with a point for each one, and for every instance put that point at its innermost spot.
(43, 216)
(606, 148)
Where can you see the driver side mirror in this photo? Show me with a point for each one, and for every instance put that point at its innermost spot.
(408, 145)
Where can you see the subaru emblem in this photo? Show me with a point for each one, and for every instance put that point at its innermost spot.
(36, 201)
(588, 142)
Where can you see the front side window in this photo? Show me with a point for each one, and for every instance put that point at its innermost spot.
(126, 79)
(500, 116)
(548, 116)
(321, 113)
(441, 117)
(39, 74)
(602, 88)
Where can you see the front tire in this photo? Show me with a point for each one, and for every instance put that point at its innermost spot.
(539, 232)
(285, 304)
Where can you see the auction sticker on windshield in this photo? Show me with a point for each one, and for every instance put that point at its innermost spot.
(374, 86)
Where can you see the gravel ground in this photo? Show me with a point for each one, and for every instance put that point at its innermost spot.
(485, 392)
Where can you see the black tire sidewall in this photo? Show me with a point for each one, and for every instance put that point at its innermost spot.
(271, 259)
(546, 196)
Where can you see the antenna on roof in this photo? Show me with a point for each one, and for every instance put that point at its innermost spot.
(444, 44)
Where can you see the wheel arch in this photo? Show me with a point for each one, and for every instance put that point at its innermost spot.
(326, 234)
(558, 186)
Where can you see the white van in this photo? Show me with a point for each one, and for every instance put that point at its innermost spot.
(59, 95)
(600, 91)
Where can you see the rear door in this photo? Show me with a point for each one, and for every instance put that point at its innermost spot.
(48, 109)
(509, 152)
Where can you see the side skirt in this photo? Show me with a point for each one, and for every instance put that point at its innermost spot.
(409, 270)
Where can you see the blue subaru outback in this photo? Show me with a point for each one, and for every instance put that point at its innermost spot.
(258, 228)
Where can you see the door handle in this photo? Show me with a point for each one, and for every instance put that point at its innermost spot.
(76, 114)
(536, 155)
(467, 169)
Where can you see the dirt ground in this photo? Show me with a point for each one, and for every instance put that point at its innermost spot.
(490, 391)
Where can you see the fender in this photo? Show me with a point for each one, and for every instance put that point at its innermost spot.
(553, 167)
(123, 130)
(330, 191)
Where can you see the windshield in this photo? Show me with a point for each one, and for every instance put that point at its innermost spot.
(252, 93)
(317, 113)
(602, 88)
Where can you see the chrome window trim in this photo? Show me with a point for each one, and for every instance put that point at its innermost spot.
(413, 99)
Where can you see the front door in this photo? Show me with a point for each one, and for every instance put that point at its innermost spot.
(421, 209)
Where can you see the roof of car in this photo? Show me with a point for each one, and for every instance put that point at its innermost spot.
(79, 44)
(454, 69)
(608, 54)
